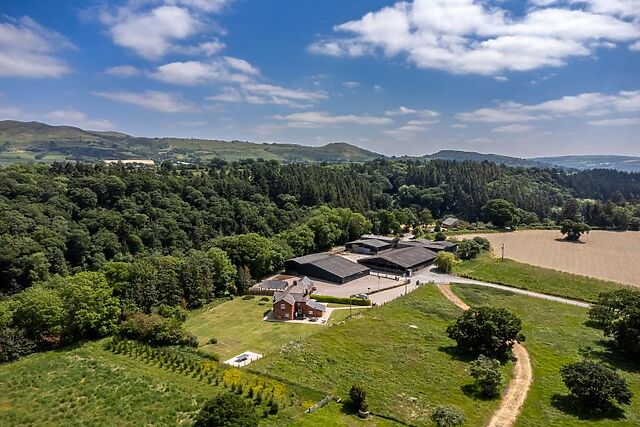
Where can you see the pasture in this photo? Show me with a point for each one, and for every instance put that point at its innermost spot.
(607, 255)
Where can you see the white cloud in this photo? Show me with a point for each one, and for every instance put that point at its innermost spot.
(377, 88)
(316, 119)
(629, 121)
(77, 118)
(193, 73)
(635, 47)
(351, 85)
(262, 93)
(26, 50)
(474, 37)
(403, 111)
(241, 65)
(586, 104)
(458, 126)
(513, 129)
(213, 6)
(151, 100)
(123, 71)
(10, 113)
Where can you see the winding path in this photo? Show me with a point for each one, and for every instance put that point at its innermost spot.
(514, 397)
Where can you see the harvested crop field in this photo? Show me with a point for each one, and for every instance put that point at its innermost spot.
(607, 255)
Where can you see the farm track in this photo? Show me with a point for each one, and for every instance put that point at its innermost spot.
(514, 397)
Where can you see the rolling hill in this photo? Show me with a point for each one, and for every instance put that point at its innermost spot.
(34, 141)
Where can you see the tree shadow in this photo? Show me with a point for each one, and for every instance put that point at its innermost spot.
(608, 353)
(575, 242)
(471, 390)
(571, 406)
(456, 353)
(348, 408)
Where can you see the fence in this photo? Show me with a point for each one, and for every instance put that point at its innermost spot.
(321, 404)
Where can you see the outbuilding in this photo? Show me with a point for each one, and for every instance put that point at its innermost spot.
(368, 246)
(435, 246)
(403, 261)
(331, 268)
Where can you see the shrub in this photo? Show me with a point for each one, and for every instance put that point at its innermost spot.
(483, 242)
(213, 340)
(248, 297)
(444, 261)
(486, 372)
(340, 300)
(227, 410)
(486, 330)
(156, 330)
(265, 299)
(469, 249)
(595, 385)
(14, 344)
(447, 416)
(358, 396)
(440, 236)
(169, 312)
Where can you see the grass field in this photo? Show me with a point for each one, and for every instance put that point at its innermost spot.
(607, 255)
(90, 385)
(492, 269)
(399, 351)
(239, 327)
(556, 334)
(335, 415)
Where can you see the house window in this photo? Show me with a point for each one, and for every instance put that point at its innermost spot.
(282, 306)
(286, 316)
(310, 312)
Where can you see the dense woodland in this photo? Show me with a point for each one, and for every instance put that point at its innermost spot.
(83, 246)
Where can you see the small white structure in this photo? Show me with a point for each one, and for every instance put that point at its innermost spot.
(243, 359)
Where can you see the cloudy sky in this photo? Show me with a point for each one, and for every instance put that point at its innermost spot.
(526, 78)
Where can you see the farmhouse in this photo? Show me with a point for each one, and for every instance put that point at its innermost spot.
(368, 246)
(435, 246)
(331, 268)
(451, 222)
(403, 261)
(294, 302)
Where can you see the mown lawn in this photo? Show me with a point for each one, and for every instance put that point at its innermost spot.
(238, 326)
(399, 351)
(524, 276)
(555, 335)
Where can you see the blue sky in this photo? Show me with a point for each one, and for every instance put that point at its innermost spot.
(526, 78)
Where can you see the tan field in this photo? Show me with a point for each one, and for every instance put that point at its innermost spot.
(606, 255)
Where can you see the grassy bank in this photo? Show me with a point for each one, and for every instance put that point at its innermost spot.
(524, 276)
(556, 334)
(399, 351)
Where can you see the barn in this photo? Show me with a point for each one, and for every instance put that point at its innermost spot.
(403, 261)
(331, 268)
(368, 246)
(435, 246)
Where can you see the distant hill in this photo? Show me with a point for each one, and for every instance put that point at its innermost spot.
(480, 157)
(621, 163)
(34, 141)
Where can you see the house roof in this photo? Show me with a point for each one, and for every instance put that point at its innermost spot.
(273, 284)
(405, 257)
(333, 264)
(374, 243)
(284, 296)
(316, 305)
(450, 221)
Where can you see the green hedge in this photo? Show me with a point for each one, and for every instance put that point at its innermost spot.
(339, 300)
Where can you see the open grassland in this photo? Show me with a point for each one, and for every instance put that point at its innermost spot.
(524, 276)
(335, 414)
(399, 351)
(90, 385)
(606, 255)
(556, 334)
(238, 327)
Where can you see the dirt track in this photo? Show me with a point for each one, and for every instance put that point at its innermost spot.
(605, 255)
(514, 397)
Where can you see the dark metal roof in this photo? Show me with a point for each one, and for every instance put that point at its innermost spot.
(451, 221)
(388, 239)
(405, 257)
(333, 264)
(428, 243)
(374, 243)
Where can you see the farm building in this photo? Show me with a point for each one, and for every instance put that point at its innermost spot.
(368, 246)
(388, 239)
(435, 246)
(331, 268)
(400, 261)
(451, 222)
(295, 302)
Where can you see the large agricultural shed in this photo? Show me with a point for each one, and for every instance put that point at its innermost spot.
(435, 246)
(331, 268)
(400, 261)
